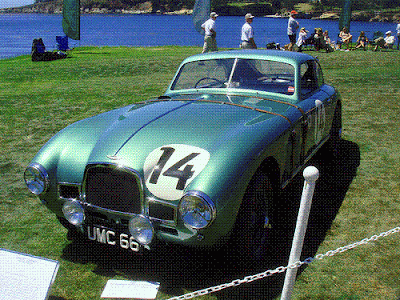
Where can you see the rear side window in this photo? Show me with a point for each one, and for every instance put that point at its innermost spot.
(311, 77)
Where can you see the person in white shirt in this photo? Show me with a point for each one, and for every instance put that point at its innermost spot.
(247, 35)
(210, 41)
(398, 35)
(386, 42)
(292, 28)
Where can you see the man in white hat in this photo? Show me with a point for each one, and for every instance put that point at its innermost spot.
(210, 41)
(248, 33)
(386, 42)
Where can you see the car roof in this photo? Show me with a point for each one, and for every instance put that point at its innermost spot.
(278, 55)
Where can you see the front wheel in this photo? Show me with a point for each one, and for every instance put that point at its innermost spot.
(253, 225)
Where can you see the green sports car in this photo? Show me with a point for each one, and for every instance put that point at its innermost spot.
(197, 166)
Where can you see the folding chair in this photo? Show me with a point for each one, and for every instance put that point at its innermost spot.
(62, 43)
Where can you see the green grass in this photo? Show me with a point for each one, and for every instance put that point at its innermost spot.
(38, 99)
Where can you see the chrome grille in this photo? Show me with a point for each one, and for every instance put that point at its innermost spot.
(113, 188)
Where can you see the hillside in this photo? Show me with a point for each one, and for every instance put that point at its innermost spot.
(223, 8)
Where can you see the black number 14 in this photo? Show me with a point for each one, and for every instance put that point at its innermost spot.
(183, 175)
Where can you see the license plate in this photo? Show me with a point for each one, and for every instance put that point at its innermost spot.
(110, 237)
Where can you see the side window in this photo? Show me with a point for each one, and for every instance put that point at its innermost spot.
(320, 75)
(309, 77)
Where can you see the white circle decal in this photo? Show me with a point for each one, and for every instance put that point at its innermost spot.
(320, 121)
(169, 169)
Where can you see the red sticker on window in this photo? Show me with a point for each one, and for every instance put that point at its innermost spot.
(290, 89)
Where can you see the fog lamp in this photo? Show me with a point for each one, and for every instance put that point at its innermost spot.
(74, 212)
(36, 178)
(141, 229)
(197, 210)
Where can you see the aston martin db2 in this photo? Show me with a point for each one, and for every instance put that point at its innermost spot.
(198, 166)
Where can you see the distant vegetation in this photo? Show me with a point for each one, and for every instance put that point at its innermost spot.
(363, 10)
(260, 7)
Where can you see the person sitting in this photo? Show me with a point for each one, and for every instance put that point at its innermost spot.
(330, 45)
(310, 40)
(319, 42)
(386, 43)
(39, 52)
(362, 41)
(345, 38)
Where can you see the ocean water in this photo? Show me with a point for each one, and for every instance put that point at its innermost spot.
(18, 30)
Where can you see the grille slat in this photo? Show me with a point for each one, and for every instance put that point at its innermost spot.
(113, 188)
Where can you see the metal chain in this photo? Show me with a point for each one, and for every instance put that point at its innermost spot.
(297, 264)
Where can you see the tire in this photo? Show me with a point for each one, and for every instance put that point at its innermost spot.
(252, 228)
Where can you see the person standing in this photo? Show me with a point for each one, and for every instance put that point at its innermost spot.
(292, 27)
(210, 41)
(398, 34)
(247, 35)
(302, 38)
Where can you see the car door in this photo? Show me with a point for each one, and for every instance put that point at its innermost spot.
(317, 105)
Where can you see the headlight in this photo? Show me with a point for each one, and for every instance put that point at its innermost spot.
(141, 229)
(36, 178)
(73, 212)
(197, 210)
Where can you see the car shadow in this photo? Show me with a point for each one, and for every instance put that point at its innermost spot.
(180, 269)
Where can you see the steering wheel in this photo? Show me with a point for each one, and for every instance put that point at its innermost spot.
(208, 78)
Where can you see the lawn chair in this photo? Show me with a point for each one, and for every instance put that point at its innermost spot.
(377, 34)
(62, 43)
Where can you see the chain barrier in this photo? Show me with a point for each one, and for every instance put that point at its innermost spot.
(278, 270)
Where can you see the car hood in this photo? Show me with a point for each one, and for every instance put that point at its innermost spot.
(226, 131)
(203, 124)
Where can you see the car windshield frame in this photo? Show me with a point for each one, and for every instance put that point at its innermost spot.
(237, 74)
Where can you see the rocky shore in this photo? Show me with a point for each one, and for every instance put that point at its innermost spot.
(55, 7)
(365, 16)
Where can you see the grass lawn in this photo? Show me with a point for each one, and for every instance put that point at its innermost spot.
(39, 99)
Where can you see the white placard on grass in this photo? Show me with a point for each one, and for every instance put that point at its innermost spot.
(126, 289)
(24, 276)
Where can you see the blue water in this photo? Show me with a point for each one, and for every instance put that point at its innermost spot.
(18, 30)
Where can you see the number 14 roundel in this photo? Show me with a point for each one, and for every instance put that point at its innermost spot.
(169, 169)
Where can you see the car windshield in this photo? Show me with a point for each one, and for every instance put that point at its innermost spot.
(250, 74)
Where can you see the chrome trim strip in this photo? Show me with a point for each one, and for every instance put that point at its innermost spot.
(107, 211)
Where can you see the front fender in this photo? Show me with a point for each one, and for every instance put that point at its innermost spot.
(231, 167)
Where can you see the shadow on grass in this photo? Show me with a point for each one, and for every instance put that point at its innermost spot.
(181, 269)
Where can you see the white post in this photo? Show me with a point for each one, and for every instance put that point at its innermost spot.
(311, 175)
